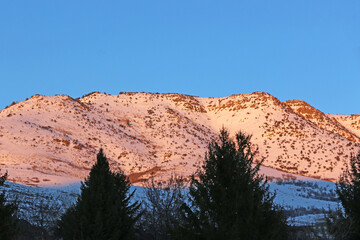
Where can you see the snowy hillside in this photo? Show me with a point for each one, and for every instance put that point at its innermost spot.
(52, 140)
(305, 201)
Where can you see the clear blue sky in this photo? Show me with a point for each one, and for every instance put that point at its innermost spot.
(308, 50)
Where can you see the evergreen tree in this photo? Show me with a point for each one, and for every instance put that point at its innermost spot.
(8, 217)
(103, 209)
(3, 178)
(228, 198)
(348, 190)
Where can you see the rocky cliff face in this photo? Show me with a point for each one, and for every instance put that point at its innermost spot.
(53, 140)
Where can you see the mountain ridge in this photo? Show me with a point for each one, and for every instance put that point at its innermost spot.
(54, 139)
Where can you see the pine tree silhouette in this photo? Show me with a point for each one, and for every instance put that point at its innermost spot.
(348, 191)
(228, 198)
(3, 178)
(104, 209)
(8, 217)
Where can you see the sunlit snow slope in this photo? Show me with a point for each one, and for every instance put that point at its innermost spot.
(54, 140)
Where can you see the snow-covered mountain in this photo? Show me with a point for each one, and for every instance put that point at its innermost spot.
(48, 140)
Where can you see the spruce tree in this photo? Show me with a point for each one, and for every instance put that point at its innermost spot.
(348, 191)
(228, 199)
(103, 209)
(8, 215)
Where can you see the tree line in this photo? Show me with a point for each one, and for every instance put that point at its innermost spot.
(226, 198)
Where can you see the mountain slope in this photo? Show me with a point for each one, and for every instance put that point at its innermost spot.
(49, 140)
(351, 122)
(322, 120)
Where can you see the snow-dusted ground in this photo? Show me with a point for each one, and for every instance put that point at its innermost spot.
(305, 201)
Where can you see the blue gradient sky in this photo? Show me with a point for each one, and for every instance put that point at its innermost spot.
(308, 50)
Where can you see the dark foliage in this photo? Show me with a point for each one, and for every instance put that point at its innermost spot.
(228, 198)
(161, 208)
(104, 209)
(337, 226)
(8, 217)
(301, 233)
(348, 190)
(29, 231)
(3, 178)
